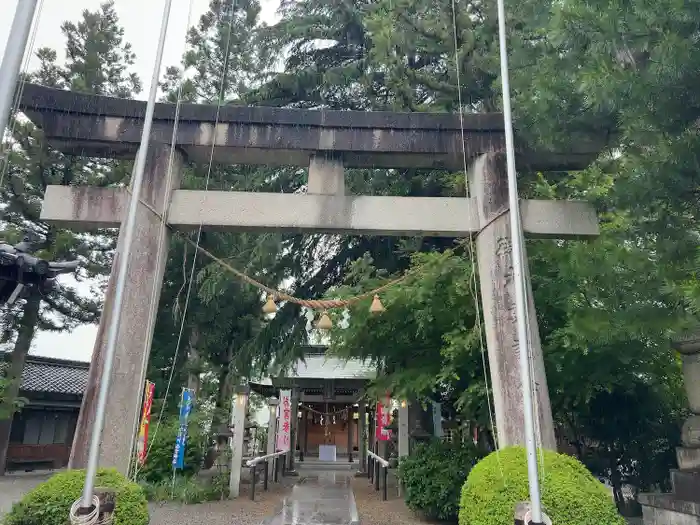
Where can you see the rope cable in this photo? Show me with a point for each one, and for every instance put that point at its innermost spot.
(155, 289)
(475, 288)
(196, 243)
(188, 294)
(533, 383)
(319, 413)
(91, 518)
(316, 304)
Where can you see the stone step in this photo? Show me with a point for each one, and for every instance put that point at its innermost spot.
(325, 465)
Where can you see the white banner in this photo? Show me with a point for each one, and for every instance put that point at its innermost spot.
(284, 429)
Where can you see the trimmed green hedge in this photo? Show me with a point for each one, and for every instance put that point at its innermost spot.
(50, 502)
(570, 493)
(433, 475)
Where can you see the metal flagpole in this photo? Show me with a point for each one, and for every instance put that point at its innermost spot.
(14, 53)
(128, 227)
(519, 277)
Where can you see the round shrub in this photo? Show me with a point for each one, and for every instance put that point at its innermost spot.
(570, 493)
(433, 475)
(50, 502)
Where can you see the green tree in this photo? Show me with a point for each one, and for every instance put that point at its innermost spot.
(97, 61)
(593, 71)
(224, 58)
(426, 343)
(223, 318)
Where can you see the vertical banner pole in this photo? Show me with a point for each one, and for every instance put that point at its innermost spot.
(142, 442)
(181, 441)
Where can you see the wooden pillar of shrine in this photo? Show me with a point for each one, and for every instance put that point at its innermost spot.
(350, 423)
(361, 433)
(293, 431)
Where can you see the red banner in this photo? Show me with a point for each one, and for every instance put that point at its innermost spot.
(142, 449)
(285, 424)
(383, 418)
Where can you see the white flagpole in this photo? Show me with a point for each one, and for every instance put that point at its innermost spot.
(14, 53)
(128, 227)
(519, 276)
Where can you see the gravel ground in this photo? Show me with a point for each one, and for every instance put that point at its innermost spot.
(241, 511)
(374, 511)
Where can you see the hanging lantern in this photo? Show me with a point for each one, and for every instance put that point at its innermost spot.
(377, 307)
(270, 307)
(324, 323)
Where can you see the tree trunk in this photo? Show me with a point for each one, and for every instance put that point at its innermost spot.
(223, 395)
(193, 382)
(30, 317)
(218, 415)
(616, 482)
(226, 390)
(485, 440)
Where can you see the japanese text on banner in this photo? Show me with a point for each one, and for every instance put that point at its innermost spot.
(285, 424)
(383, 417)
(185, 409)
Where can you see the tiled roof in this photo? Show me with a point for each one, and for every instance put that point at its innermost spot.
(316, 365)
(323, 367)
(54, 376)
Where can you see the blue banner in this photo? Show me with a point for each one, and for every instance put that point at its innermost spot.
(180, 442)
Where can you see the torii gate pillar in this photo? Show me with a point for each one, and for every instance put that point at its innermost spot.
(489, 188)
(148, 257)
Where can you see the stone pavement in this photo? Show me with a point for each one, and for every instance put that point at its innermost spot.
(319, 498)
(15, 485)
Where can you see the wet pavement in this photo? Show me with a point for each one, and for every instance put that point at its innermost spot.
(13, 486)
(319, 498)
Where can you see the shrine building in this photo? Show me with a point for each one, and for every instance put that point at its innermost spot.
(328, 392)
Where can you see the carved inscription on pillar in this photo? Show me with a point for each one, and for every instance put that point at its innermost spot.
(504, 266)
(495, 259)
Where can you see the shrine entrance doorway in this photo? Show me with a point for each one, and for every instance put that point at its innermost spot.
(329, 431)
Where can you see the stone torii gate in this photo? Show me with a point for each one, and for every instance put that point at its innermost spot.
(326, 142)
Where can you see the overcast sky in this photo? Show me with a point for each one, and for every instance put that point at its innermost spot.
(141, 20)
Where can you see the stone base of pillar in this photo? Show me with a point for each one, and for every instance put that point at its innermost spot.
(668, 509)
(688, 458)
(686, 485)
(682, 506)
